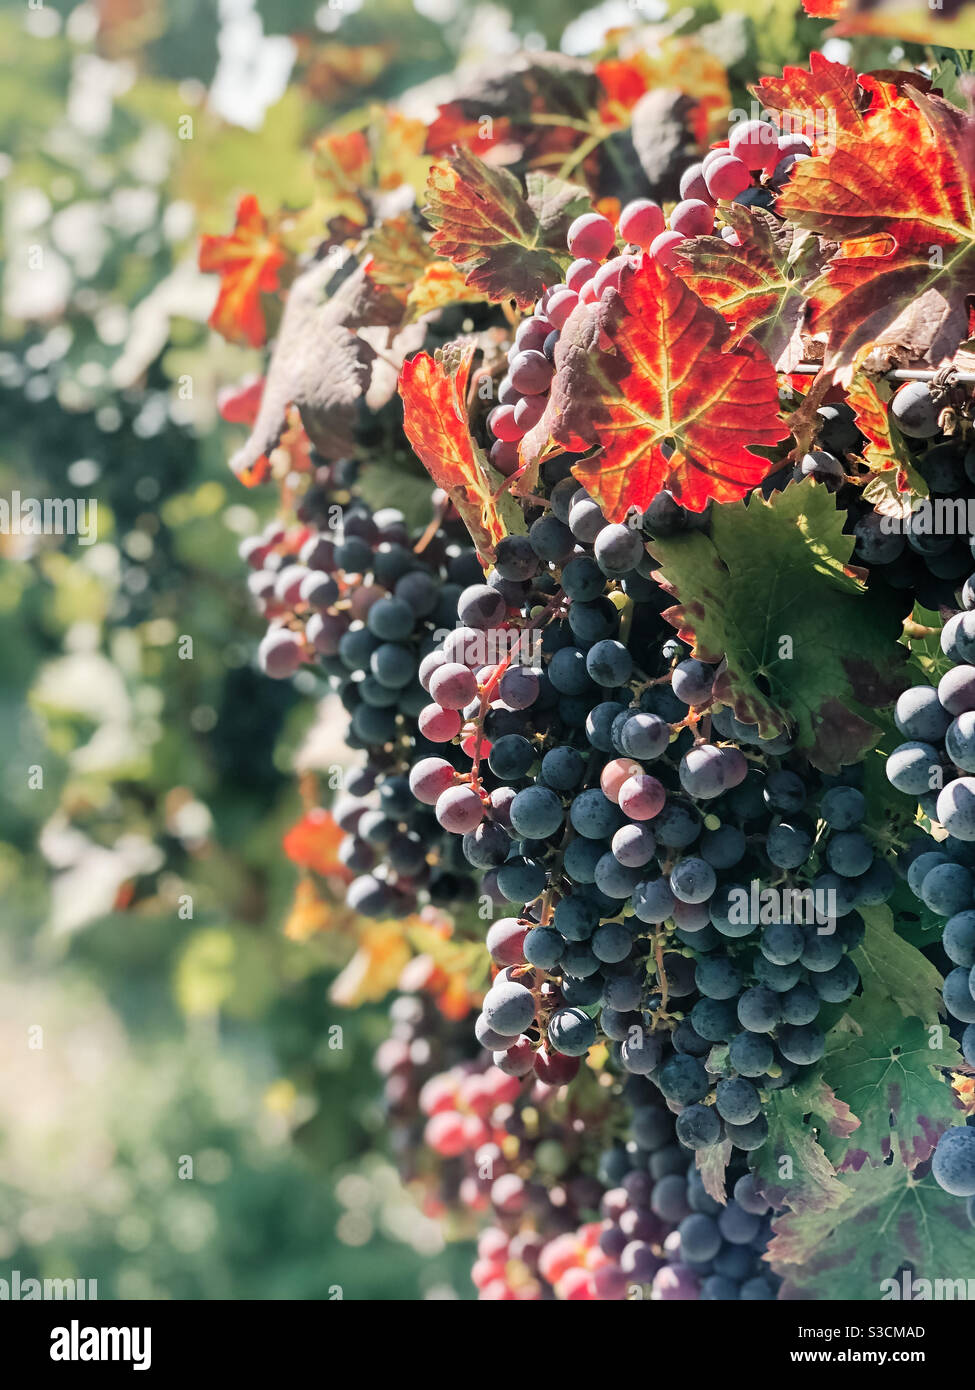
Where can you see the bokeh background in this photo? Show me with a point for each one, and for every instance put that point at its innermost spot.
(159, 995)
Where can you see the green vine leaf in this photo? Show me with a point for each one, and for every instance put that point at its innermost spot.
(892, 968)
(886, 1067)
(770, 592)
(807, 1181)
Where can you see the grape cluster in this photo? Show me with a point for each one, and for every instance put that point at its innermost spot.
(632, 823)
(728, 173)
(661, 1233)
(939, 726)
(359, 601)
(934, 767)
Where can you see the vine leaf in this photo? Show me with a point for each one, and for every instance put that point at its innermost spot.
(893, 969)
(510, 245)
(889, 1219)
(354, 169)
(672, 403)
(712, 1163)
(396, 254)
(885, 1067)
(342, 164)
(319, 364)
(791, 1111)
(769, 592)
(827, 88)
(434, 392)
(247, 261)
(313, 843)
(885, 449)
(757, 287)
(900, 197)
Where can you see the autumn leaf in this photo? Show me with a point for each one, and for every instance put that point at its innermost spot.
(897, 479)
(948, 24)
(353, 168)
(827, 91)
(313, 843)
(680, 62)
(333, 70)
(624, 82)
(309, 913)
(375, 968)
(434, 392)
(804, 646)
(498, 106)
(903, 204)
(510, 245)
(342, 164)
(757, 287)
(890, 1219)
(396, 254)
(247, 261)
(398, 150)
(238, 405)
(670, 401)
(453, 126)
(440, 284)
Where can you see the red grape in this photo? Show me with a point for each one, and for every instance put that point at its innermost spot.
(529, 334)
(727, 177)
(438, 725)
(501, 423)
(692, 218)
(591, 236)
(640, 221)
(553, 1068)
(664, 246)
(531, 372)
(642, 797)
(561, 306)
(694, 185)
(529, 411)
(281, 653)
(504, 454)
(579, 273)
(429, 777)
(756, 144)
(453, 686)
(459, 809)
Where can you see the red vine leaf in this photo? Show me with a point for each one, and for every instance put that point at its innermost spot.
(238, 405)
(313, 843)
(672, 403)
(434, 392)
(247, 261)
(757, 287)
(903, 202)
